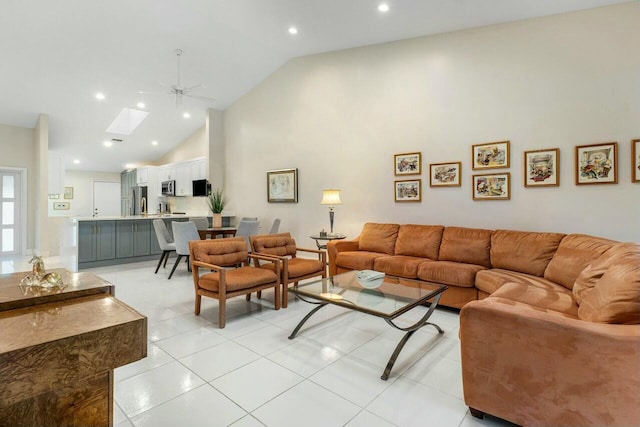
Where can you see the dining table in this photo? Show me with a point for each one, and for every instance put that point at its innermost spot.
(214, 232)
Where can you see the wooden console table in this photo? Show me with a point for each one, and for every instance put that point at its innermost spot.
(58, 350)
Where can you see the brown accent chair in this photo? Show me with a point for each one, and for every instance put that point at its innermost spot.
(222, 282)
(293, 269)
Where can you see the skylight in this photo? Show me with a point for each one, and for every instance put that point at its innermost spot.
(127, 121)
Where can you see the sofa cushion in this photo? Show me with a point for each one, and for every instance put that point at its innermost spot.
(378, 238)
(574, 253)
(491, 280)
(298, 267)
(615, 298)
(238, 278)
(558, 299)
(357, 260)
(419, 240)
(398, 265)
(588, 277)
(449, 273)
(468, 245)
(525, 252)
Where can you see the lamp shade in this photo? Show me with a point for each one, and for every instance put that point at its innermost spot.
(331, 197)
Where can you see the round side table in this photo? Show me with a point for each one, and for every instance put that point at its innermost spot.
(321, 240)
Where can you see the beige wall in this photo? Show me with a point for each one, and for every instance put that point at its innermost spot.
(194, 146)
(339, 117)
(19, 142)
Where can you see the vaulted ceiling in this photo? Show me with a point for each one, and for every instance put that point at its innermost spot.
(56, 55)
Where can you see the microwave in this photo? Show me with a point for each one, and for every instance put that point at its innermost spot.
(168, 188)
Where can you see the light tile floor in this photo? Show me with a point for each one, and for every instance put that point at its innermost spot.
(250, 374)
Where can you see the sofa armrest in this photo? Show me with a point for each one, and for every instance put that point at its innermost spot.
(334, 247)
(532, 366)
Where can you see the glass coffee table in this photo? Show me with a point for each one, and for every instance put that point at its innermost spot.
(388, 299)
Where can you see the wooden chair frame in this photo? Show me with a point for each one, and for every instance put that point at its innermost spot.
(222, 295)
(284, 262)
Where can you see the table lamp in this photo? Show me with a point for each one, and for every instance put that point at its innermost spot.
(331, 198)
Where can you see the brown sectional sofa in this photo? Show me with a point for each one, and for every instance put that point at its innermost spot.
(549, 323)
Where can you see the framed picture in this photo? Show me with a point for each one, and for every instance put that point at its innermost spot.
(68, 192)
(61, 206)
(635, 160)
(492, 186)
(408, 190)
(282, 186)
(542, 168)
(597, 164)
(445, 174)
(54, 196)
(407, 163)
(491, 155)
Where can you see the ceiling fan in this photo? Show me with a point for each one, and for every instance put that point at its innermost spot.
(179, 91)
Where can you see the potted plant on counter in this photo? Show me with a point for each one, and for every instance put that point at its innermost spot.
(216, 204)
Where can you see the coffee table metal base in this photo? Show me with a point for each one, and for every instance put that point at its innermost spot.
(409, 329)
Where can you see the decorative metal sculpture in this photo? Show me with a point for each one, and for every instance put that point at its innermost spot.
(39, 280)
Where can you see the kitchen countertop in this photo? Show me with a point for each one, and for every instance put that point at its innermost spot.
(132, 217)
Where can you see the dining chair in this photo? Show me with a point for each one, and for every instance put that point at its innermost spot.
(246, 229)
(201, 222)
(249, 218)
(164, 241)
(292, 268)
(275, 226)
(221, 281)
(183, 232)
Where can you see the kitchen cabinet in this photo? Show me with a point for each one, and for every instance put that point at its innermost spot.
(128, 180)
(145, 175)
(153, 242)
(183, 180)
(183, 173)
(133, 238)
(96, 241)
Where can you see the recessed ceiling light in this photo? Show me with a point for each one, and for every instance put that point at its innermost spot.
(141, 105)
(129, 166)
(100, 96)
(76, 161)
(186, 115)
(383, 7)
(107, 143)
(154, 142)
(293, 30)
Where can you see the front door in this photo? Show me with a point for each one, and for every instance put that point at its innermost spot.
(11, 216)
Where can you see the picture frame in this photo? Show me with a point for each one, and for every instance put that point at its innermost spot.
(490, 155)
(282, 186)
(495, 186)
(542, 168)
(445, 174)
(68, 192)
(407, 163)
(635, 160)
(597, 164)
(408, 190)
(61, 206)
(54, 196)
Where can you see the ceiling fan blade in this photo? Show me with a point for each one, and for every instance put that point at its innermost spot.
(201, 98)
(187, 89)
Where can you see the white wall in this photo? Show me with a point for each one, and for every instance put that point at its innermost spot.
(339, 117)
(82, 183)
